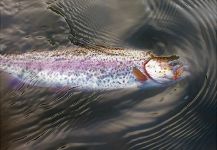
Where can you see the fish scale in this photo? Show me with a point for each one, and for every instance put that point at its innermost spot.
(77, 67)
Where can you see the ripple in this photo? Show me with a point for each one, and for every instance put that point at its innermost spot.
(181, 117)
(93, 22)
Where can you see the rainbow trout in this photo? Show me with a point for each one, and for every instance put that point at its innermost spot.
(90, 69)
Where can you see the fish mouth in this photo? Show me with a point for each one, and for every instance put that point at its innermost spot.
(180, 69)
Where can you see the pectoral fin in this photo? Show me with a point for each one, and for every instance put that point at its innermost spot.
(139, 75)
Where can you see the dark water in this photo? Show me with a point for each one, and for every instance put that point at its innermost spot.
(180, 117)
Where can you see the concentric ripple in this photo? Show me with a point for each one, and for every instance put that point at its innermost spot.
(179, 117)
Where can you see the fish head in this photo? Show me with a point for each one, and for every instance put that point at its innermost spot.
(164, 71)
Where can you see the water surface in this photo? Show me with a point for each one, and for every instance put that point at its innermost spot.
(179, 117)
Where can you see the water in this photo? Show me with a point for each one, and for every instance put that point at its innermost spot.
(179, 117)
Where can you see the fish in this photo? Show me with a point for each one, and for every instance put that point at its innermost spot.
(90, 69)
